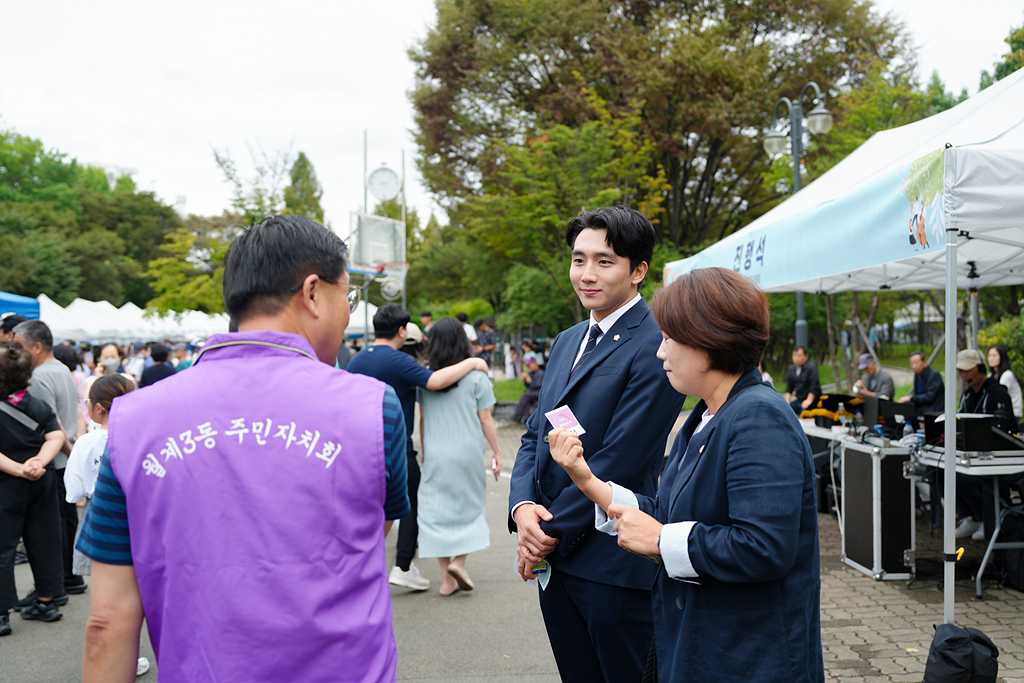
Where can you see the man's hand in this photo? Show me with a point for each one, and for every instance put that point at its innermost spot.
(524, 566)
(806, 403)
(904, 399)
(534, 544)
(638, 531)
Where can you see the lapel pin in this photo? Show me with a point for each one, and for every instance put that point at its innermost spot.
(615, 338)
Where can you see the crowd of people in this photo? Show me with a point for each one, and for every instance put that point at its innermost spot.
(264, 481)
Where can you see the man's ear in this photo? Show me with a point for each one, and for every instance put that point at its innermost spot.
(310, 294)
(638, 274)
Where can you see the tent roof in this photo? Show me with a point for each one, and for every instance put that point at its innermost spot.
(856, 206)
(22, 305)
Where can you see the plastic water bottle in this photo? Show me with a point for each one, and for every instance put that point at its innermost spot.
(908, 429)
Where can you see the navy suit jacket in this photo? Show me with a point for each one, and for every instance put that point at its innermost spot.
(747, 480)
(622, 397)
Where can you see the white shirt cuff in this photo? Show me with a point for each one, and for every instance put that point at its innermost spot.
(518, 505)
(620, 495)
(675, 550)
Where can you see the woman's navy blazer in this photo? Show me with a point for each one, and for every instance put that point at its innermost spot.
(747, 480)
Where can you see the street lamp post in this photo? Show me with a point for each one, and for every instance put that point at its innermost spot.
(819, 122)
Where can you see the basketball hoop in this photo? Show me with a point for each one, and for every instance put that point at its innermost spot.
(397, 269)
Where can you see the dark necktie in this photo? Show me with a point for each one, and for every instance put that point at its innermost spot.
(595, 332)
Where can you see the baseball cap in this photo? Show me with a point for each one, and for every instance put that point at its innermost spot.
(11, 321)
(413, 334)
(969, 358)
(864, 361)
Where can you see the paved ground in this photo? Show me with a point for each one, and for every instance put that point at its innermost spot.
(872, 631)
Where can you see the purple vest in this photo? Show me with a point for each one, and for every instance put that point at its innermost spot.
(255, 487)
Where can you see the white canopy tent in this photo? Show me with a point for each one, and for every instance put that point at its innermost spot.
(102, 321)
(911, 208)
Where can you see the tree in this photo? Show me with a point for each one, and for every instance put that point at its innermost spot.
(190, 274)
(262, 194)
(493, 71)
(1012, 60)
(302, 196)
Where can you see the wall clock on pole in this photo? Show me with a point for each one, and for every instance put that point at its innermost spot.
(384, 184)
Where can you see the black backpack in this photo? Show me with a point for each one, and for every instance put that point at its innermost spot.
(961, 655)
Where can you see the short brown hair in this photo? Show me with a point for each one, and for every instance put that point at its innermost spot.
(15, 368)
(718, 311)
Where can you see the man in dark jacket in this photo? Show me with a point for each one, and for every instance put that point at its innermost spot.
(982, 394)
(929, 392)
(802, 384)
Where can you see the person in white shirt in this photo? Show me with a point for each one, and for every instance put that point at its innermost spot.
(470, 330)
(999, 364)
(84, 462)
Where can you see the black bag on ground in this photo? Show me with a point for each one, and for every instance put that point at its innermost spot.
(961, 655)
(1011, 561)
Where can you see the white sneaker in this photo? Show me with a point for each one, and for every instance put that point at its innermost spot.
(410, 579)
(142, 667)
(979, 535)
(967, 527)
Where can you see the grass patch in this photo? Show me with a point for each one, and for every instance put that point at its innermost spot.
(508, 389)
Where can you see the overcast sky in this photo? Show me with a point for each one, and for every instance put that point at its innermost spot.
(154, 86)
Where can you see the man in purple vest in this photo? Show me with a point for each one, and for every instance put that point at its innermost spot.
(247, 524)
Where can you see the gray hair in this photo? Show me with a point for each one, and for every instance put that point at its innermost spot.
(33, 331)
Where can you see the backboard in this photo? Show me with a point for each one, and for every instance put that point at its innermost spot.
(374, 240)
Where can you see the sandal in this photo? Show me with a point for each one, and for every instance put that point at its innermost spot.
(461, 577)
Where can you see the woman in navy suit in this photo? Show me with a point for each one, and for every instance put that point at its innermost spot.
(734, 526)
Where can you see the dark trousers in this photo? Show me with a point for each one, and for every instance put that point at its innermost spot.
(597, 632)
(795, 405)
(408, 528)
(28, 509)
(526, 403)
(68, 531)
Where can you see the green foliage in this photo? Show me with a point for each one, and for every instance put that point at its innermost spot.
(1011, 61)
(1010, 333)
(190, 274)
(262, 194)
(533, 299)
(494, 71)
(66, 232)
(303, 194)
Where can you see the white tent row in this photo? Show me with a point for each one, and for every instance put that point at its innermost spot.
(923, 206)
(102, 321)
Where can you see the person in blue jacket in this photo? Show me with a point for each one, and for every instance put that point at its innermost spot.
(734, 527)
(595, 600)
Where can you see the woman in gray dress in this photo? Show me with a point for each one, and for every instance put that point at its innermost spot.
(454, 424)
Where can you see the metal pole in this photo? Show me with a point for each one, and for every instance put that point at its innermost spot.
(366, 169)
(796, 135)
(975, 318)
(949, 467)
(405, 256)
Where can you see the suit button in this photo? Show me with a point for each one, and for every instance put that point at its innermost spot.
(680, 603)
(546, 439)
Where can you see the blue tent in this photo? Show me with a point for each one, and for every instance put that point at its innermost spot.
(22, 305)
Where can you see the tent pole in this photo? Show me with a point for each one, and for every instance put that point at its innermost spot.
(975, 318)
(949, 468)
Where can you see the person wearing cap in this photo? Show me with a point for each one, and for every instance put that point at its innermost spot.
(533, 378)
(415, 344)
(7, 325)
(929, 392)
(876, 381)
(383, 360)
(983, 394)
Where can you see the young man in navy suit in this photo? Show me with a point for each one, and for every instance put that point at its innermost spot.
(596, 598)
